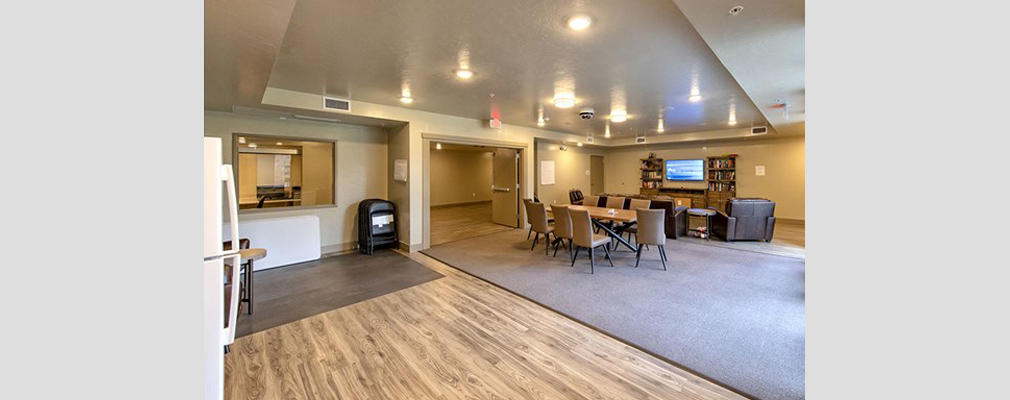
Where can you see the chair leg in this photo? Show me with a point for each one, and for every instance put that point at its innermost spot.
(557, 244)
(529, 233)
(576, 254)
(662, 256)
(571, 251)
(547, 244)
(607, 250)
(638, 255)
(592, 259)
(249, 286)
(537, 236)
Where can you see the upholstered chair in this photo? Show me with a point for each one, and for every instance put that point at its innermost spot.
(583, 238)
(538, 220)
(651, 231)
(562, 228)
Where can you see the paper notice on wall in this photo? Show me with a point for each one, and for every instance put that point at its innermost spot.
(759, 170)
(400, 170)
(547, 172)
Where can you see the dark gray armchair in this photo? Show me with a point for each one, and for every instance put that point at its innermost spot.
(745, 219)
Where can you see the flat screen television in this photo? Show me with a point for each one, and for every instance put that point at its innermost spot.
(685, 170)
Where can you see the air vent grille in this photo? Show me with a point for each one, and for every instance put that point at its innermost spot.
(758, 130)
(331, 103)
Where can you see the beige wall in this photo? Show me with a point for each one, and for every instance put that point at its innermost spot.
(460, 176)
(399, 191)
(570, 168)
(360, 172)
(784, 161)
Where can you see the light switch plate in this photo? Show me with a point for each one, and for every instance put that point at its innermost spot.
(759, 170)
(587, 172)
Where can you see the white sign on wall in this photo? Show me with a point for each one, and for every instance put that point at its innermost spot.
(400, 170)
(547, 172)
(759, 170)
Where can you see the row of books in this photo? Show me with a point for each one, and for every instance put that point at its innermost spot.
(726, 163)
(722, 186)
(722, 175)
(652, 174)
(652, 184)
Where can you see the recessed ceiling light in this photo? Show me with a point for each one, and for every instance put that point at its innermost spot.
(580, 144)
(564, 102)
(694, 97)
(252, 145)
(241, 140)
(280, 143)
(541, 122)
(406, 100)
(580, 22)
(618, 117)
(438, 146)
(660, 127)
(464, 73)
(732, 122)
(606, 133)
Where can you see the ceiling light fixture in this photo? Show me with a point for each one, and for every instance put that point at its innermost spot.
(280, 143)
(694, 97)
(732, 122)
(580, 144)
(606, 132)
(464, 73)
(406, 100)
(241, 140)
(660, 128)
(252, 145)
(619, 117)
(564, 101)
(438, 146)
(580, 22)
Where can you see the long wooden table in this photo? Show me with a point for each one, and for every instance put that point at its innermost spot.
(600, 214)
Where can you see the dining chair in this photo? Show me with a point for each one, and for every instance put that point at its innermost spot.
(526, 206)
(636, 204)
(538, 219)
(583, 237)
(591, 201)
(651, 231)
(616, 203)
(562, 228)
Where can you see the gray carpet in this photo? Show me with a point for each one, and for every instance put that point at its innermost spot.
(737, 317)
(287, 294)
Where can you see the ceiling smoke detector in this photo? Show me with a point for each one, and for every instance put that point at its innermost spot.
(735, 10)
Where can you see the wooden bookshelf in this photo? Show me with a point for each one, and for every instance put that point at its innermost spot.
(721, 173)
(652, 175)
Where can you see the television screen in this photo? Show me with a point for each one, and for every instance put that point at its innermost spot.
(685, 170)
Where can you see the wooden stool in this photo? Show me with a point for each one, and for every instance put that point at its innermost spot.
(248, 256)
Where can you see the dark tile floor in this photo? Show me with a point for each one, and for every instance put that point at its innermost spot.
(287, 294)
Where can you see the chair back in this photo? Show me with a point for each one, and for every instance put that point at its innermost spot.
(562, 222)
(538, 216)
(526, 207)
(650, 226)
(615, 202)
(640, 203)
(574, 195)
(591, 201)
(582, 228)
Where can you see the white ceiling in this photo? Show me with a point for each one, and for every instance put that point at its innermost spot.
(644, 51)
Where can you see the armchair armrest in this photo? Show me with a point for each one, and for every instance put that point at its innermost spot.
(723, 225)
(770, 229)
(677, 223)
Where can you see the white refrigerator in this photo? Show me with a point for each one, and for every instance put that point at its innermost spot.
(217, 332)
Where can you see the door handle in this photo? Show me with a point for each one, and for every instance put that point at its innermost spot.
(498, 189)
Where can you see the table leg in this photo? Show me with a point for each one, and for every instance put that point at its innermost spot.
(613, 234)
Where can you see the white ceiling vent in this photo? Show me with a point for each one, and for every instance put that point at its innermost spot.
(331, 103)
(758, 130)
(640, 139)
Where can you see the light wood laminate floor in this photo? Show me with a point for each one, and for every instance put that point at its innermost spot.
(453, 338)
(462, 221)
